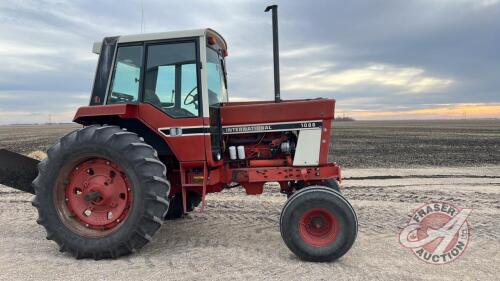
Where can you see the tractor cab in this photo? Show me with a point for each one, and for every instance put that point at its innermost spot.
(173, 82)
(180, 73)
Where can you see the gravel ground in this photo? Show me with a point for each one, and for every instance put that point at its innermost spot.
(237, 237)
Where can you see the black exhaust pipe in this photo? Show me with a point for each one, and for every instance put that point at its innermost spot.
(276, 52)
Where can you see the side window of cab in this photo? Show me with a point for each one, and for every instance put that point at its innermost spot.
(126, 75)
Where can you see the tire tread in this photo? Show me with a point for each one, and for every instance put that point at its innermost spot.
(148, 169)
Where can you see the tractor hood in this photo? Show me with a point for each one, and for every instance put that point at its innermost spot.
(262, 112)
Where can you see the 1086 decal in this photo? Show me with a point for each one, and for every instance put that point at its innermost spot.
(308, 125)
(255, 128)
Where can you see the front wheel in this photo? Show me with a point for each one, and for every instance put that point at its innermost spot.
(298, 185)
(318, 224)
(101, 192)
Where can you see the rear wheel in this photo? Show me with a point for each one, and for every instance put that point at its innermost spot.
(101, 192)
(318, 224)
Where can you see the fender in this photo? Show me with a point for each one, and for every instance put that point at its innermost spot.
(143, 119)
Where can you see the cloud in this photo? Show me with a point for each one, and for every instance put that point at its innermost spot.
(20, 106)
(371, 56)
(305, 51)
(452, 111)
(479, 3)
(324, 78)
(24, 117)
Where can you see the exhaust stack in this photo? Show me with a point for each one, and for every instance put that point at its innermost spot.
(276, 52)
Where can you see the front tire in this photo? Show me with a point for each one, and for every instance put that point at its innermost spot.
(101, 192)
(298, 185)
(332, 183)
(318, 224)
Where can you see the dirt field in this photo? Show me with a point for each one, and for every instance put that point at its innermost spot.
(238, 236)
(452, 143)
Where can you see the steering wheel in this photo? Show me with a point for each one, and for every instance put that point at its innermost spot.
(194, 97)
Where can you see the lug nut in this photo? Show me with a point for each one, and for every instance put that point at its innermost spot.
(87, 225)
(110, 215)
(87, 212)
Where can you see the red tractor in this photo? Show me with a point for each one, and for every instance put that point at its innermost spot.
(159, 134)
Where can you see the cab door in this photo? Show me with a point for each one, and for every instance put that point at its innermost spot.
(172, 85)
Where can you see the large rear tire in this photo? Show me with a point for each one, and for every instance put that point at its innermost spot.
(101, 192)
(318, 224)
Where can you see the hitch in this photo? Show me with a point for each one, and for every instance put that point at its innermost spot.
(17, 171)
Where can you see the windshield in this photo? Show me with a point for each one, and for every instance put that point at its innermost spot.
(217, 88)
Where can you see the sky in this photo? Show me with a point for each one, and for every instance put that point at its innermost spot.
(390, 59)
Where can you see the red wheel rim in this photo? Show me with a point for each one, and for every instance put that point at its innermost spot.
(318, 227)
(96, 199)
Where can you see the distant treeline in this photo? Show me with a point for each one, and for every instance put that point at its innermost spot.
(344, 118)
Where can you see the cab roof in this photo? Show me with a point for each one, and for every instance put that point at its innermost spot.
(96, 49)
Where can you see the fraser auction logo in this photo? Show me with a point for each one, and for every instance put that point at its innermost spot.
(437, 233)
